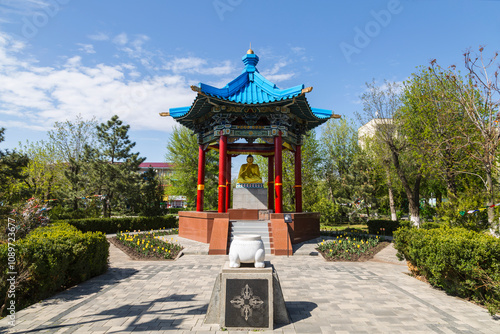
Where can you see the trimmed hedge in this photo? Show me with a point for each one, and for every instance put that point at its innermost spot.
(56, 257)
(460, 261)
(382, 226)
(114, 225)
(175, 211)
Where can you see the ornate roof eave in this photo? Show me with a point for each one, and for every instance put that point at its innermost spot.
(203, 107)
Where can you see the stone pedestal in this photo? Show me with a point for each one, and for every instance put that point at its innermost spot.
(247, 298)
(250, 198)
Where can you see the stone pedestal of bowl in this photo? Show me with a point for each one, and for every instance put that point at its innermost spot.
(247, 248)
(247, 298)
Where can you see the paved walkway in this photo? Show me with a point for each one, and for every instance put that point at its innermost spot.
(322, 297)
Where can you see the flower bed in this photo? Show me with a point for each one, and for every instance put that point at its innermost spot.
(147, 245)
(354, 247)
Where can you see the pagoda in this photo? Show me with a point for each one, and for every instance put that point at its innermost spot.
(250, 107)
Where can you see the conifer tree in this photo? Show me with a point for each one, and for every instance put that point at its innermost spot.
(11, 172)
(151, 193)
(113, 167)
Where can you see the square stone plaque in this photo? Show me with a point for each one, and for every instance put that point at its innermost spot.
(247, 303)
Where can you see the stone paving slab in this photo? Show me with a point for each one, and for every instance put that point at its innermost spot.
(322, 297)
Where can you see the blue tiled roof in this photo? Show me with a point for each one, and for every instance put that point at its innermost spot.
(322, 113)
(178, 112)
(250, 87)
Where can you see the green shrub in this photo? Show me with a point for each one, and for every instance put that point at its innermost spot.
(114, 225)
(460, 261)
(431, 225)
(59, 212)
(454, 211)
(382, 226)
(330, 212)
(51, 259)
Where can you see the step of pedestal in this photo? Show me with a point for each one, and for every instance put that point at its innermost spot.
(253, 227)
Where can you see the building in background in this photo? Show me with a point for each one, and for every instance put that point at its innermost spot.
(369, 129)
(164, 171)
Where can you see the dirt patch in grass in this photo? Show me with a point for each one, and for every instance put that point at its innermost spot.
(355, 257)
(135, 255)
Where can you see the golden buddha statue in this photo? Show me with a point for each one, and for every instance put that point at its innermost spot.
(249, 172)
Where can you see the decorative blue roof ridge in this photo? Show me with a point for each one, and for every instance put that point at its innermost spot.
(322, 113)
(250, 88)
(179, 112)
(250, 60)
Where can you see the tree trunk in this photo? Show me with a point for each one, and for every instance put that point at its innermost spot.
(105, 208)
(439, 199)
(491, 212)
(414, 202)
(413, 196)
(394, 216)
(414, 214)
(451, 183)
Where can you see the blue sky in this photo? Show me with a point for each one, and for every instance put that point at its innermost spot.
(61, 58)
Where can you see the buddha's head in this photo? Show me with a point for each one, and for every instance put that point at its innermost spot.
(250, 159)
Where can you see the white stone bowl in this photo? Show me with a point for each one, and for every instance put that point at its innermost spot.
(247, 248)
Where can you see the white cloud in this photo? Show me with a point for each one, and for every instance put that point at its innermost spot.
(21, 125)
(121, 39)
(16, 7)
(34, 97)
(87, 48)
(273, 74)
(279, 77)
(198, 65)
(298, 50)
(8, 59)
(139, 40)
(100, 36)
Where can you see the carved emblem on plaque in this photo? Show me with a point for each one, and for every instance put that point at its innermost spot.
(247, 302)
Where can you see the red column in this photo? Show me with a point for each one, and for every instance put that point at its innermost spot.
(270, 183)
(278, 170)
(298, 179)
(222, 172)
(201, 179)
(228, 183)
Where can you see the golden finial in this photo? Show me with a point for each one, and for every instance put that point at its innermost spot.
(250, 51)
